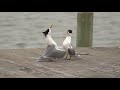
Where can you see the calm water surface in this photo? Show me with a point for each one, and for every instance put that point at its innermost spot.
(24, 29)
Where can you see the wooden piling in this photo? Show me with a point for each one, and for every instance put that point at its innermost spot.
(84, 29)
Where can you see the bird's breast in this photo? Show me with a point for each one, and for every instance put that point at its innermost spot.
(66, 43)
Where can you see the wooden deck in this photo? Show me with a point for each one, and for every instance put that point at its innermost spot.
(22, 63)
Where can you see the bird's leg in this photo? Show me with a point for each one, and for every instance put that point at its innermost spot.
(69, 58)
(66, 55)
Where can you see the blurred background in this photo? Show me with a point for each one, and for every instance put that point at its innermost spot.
(24, 29)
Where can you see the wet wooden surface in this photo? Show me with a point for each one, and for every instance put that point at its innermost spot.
(22, 63)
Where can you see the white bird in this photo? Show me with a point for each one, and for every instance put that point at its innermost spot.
(52, 50)
(70, 51)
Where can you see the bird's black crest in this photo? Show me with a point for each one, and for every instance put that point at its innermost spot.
(46, 32)
(70, 31)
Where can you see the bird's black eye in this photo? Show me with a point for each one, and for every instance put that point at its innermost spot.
(70, 31)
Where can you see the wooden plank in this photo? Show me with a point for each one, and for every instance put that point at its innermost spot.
(10, 70)
(100, 62)
(37, 70)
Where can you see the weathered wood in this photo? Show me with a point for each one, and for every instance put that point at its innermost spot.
(99, 62)
(84, 29)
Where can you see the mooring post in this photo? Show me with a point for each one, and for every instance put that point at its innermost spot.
(84, 29)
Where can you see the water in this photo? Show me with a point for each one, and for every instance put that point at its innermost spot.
(24, 29)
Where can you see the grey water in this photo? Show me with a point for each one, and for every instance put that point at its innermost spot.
(24, 29)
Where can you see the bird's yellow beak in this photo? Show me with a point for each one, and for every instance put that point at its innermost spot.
(51, 26)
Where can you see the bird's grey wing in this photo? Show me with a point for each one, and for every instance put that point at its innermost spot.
(48, 50)
(71, 51)
(58, 53)
(52, 52)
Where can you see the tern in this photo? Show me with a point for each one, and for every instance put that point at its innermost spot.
(52, 51)
(70, 51)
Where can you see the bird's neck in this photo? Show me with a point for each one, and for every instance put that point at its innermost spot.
(50, 41)
(68, 38)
